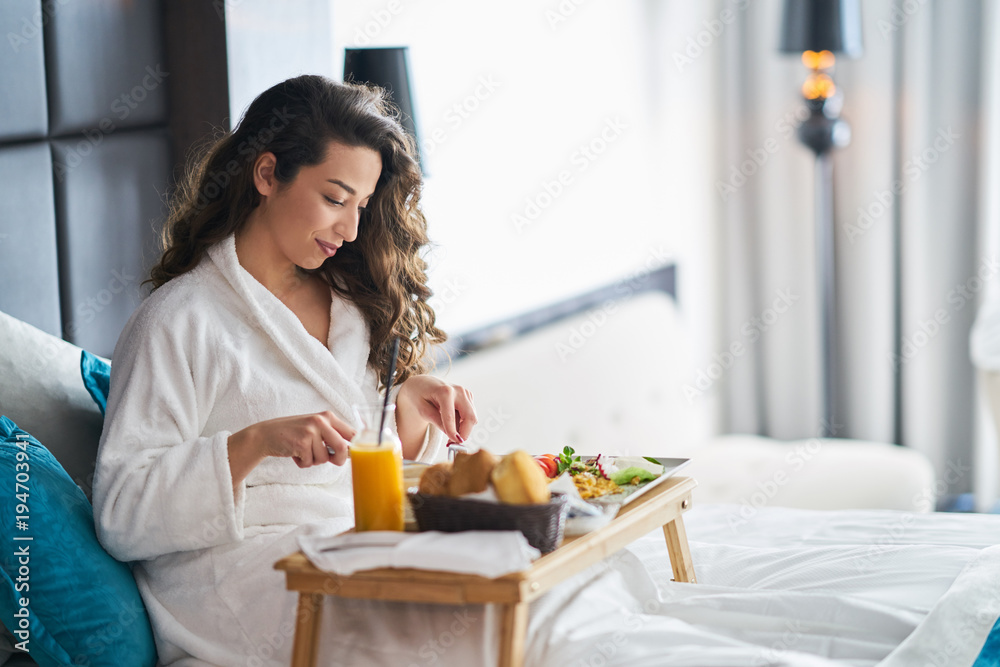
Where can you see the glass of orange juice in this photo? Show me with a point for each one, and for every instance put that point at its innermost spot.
(377, 471)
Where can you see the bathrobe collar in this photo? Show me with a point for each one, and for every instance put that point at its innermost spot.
(337, 371)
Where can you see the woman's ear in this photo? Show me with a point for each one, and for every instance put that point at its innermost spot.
(263, 173)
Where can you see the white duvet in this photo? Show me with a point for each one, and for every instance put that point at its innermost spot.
(789, 587)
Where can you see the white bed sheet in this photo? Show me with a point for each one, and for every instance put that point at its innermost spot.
(781, 587)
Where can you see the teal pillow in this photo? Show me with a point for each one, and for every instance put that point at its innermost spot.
(67, 598)
(96, 374)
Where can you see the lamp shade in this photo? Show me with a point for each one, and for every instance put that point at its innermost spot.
(822, 25)
(389, 68)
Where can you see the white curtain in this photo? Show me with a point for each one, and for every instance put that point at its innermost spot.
(986, 331)
(909, 205)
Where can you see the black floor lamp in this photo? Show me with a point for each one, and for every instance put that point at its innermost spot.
(818, 29)
(387, 67)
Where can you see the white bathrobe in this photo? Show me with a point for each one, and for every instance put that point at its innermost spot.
(209, 353)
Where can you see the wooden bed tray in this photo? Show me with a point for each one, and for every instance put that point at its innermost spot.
(660, 507)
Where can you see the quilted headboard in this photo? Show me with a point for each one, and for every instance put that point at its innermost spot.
(84, 161)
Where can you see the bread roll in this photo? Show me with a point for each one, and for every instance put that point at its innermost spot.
(518, 480)
(434, 481)
(471, 472)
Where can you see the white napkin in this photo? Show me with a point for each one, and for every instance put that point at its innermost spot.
(488, 553)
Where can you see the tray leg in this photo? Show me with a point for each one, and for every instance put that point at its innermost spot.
(305, 650)
(680, 553)
(513, 626)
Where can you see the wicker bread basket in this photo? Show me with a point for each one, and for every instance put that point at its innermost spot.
(542, 525)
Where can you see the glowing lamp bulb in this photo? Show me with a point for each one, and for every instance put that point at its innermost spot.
(818, 86)
(817, 60)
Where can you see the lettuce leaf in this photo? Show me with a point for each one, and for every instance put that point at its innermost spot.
(623, 477)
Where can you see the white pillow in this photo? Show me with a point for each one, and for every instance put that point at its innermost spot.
(42, 391)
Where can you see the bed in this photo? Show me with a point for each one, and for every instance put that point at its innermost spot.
(789, 587)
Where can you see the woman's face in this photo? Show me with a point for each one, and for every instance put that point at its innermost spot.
(309, 218)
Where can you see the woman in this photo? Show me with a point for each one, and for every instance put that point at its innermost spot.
(291, 263)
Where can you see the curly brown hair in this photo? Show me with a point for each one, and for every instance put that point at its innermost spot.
(381, 271)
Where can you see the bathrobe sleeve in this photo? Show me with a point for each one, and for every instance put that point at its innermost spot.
(435, 440)
(434, 446)
(160, 487)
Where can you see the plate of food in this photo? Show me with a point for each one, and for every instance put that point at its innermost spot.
(610, 480)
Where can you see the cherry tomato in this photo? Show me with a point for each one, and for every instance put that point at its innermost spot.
(548, 465)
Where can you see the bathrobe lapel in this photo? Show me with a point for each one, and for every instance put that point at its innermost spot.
(336, 371)
(348, 339)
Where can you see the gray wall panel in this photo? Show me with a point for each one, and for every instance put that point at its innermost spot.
(29, 285)
(123, 70)
(109, 206)
(23, 112)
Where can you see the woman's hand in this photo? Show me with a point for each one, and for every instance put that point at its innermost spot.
(423, 400)
(304, 438)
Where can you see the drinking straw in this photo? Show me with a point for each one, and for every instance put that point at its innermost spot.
(388, 386)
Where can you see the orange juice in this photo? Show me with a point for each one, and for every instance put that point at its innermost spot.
(377, 475)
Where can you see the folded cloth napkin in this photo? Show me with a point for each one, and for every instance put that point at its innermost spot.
(488, 553)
